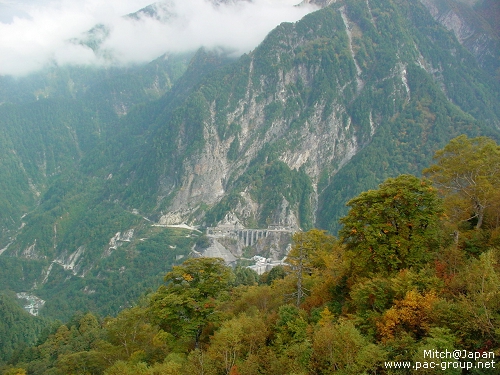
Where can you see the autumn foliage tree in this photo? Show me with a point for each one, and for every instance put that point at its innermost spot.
(393, 227)
(189, 299)
(307, 254)
(411, 315)
(467, 172)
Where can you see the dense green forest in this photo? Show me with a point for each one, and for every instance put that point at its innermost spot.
(18, 328)
(415, 270)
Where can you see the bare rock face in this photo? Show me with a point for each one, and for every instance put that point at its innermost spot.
(217, 250)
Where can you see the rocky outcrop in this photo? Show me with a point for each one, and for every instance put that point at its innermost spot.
(217, 250)
(119, 238)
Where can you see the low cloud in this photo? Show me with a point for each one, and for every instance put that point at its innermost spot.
(41, 33)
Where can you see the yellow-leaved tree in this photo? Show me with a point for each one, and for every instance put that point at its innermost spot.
(467, 173)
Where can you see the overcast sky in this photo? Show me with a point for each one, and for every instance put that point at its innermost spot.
(37, 33)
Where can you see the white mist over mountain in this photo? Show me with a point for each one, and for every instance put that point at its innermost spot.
(38, 33)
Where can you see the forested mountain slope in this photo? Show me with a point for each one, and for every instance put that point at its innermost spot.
(323, 109)
(50, 120)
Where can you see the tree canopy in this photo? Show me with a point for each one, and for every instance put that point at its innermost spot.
(467, 172)
(188, 301)
(393, 227)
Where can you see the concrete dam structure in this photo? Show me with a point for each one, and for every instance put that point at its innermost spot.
(231, 241)
(248, 237)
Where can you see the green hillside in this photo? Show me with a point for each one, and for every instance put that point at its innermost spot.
(95, 164)
(18, 329)
(50, 120)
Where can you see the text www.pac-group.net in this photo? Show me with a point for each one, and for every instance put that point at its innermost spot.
(444, 360)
